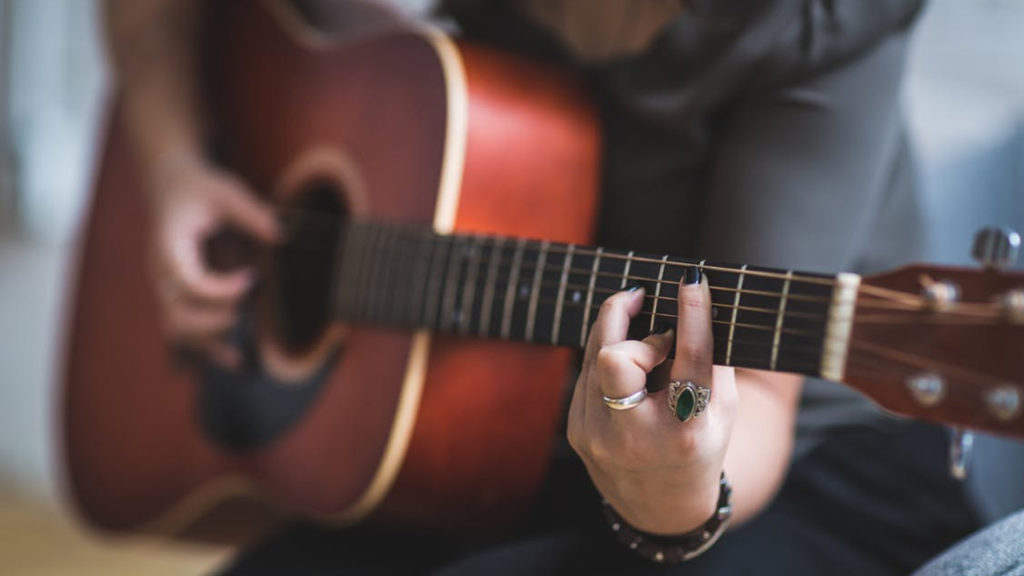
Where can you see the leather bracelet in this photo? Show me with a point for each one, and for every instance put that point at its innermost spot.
(674, 549)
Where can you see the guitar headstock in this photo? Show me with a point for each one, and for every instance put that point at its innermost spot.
(943, 344)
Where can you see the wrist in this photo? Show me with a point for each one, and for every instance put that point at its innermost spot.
(677, 547)
(665, 507)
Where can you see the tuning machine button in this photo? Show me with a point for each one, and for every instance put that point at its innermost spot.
(941, 295)
(927, 388)
(1004, 402)
(996, 247)
(1013, 305)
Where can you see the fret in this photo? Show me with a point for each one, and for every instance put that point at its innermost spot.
(756, 317)
(510, 291)
(585, 327)
(370, 266)
(383, 283)
(560, 300)
(538, 273)
(392, 287)
(625, 273)
(420, 277)
(456, 258)
(657, 294)
(801, 341)
(779, 318)
(416, 246)
(433, 293)
(489, 285)
(735, 310)
(346, 279)
(469, 287)
(761, 318)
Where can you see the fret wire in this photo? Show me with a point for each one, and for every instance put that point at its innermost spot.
(403, 302)
(517, 260)
(421, 275)
(735, 311)
(370, 272)
(778, 320)
(387, 283)
(657, 292)
(380, 280)
(712, 287)
(434, 288)
(702, 264)
(343, 292)
(469, 289)
(492, 278)
(538, 273)
(625, 272)
(557, 323)
(451, 283)
(714, 268)
(585, 327)
(434, 255)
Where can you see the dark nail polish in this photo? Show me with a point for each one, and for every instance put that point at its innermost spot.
(691, 275)
(661, 328)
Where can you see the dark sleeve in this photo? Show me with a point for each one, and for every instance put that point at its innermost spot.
(800, 176)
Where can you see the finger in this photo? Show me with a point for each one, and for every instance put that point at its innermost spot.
(244, 209)
(187, 270)
(612, 323)
(188, 321)
(694, 342)
(622, 368)
(222, 354)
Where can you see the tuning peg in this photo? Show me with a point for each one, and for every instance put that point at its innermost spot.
(996, 247)
(960, 447)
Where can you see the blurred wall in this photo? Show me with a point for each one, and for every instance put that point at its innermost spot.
(57, 76)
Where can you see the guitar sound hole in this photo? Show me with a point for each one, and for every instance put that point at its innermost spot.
(305, 264)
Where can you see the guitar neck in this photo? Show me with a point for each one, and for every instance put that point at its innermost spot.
(550, 293)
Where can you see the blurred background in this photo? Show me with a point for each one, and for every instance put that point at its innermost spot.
(965, 101)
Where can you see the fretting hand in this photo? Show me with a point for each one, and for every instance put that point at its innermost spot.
(660, 474)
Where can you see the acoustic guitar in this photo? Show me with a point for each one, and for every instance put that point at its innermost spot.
(407, 351)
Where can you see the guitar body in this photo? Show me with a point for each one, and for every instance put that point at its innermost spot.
(394, 124)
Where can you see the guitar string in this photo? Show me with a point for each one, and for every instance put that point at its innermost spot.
(527, 266)
(922, 363)
(989, 310)
(888, 294)
(891, 297)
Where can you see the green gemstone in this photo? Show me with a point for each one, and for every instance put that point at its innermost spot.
(686, 404)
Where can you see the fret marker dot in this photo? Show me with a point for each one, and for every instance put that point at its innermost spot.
(524, 291)
(577, 296)
(714, 312)
(457, 317)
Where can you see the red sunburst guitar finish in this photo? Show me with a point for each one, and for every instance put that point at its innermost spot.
(366, 141)
(406, 127)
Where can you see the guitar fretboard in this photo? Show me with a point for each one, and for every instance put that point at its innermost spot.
(550, 293)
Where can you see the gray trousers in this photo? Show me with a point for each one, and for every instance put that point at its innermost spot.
(995, 551)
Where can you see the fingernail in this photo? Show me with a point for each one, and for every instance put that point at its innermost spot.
(661, 328)
(634, 288)
(691, 275)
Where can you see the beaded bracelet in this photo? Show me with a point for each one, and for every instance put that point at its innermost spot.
(674, 549)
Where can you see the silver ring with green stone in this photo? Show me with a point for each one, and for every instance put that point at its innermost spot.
(687, 400)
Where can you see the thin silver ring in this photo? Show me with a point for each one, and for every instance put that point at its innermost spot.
(697, 398)
(626, 402)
